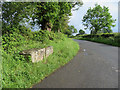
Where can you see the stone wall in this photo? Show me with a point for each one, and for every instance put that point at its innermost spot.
(38, 54)
(48, 51)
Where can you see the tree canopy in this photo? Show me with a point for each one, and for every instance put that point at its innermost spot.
(13, 13)
(71, 29)
(47, 15)
(81, 32)
(98, 19)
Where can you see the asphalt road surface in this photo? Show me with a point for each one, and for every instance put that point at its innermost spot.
(95, 66)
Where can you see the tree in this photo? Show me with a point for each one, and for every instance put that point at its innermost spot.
(65, 11)
(98, 19)
(71, 29)
(49, 14)
(81, 32)
(61, 22)
(14, 12)
(61, 25)
(46, 13)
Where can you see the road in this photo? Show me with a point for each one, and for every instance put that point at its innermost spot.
(95, 66)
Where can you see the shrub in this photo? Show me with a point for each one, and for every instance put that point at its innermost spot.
(26, 32)
(19, 72)
(45, 36)
(111, 39)
(12, 40)
(105, 35)
(106, 38)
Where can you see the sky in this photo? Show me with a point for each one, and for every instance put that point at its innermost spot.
(76, 18)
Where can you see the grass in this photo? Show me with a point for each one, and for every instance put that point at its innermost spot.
(0, 68)
(21, 73)
(103, 40)
(114, 41)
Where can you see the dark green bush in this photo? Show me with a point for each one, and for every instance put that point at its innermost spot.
(15, 38)
(12, 40)
(26, 32)
(18, 71)
(45, 36)
(107, 35)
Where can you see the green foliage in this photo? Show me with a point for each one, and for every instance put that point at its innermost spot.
(106, 38)
(98, 20)
(47, 15)
(71, 29)
(81, 32)
(14, 12)
(61, 24)
(16, 37)
(0, 62)
(26, 32)
(45, 36)
(12, 40)
(20, 72)
(71, 36)
(105, 35)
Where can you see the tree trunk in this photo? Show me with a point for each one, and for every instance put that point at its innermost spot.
(46, 26)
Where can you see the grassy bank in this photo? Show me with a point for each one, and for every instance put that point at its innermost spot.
(113, 40)
(19, 72)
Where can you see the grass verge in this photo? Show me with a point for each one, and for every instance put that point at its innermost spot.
(111, 40)
(103, 40)
(19, 73)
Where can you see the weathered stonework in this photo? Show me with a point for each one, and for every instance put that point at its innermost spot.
(38, 54)
(48, 51)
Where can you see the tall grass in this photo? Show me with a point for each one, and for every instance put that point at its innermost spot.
(111, 40)
(19, 72)
(0, 64)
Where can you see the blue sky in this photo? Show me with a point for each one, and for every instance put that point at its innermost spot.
(76, 18)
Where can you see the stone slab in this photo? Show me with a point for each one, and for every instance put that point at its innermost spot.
(38, 54)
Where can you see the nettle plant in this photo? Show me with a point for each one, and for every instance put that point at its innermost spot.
(12, 40)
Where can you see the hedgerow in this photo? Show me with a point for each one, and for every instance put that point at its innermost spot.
(106, 38)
